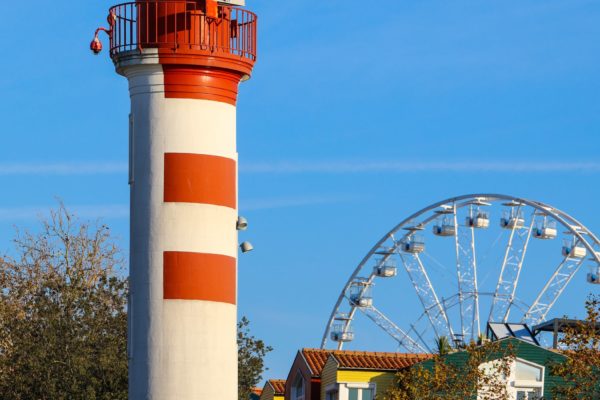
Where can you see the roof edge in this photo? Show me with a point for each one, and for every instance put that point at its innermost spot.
(312, 373)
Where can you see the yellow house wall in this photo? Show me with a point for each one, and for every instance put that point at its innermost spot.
(382, 380)
(269, 394)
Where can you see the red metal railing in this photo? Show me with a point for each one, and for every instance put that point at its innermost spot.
(182, 26)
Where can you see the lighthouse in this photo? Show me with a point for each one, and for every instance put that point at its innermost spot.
(184, 61)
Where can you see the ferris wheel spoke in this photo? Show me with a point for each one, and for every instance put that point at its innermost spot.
(427, 295)
(512, 264)
(413, 328)
(466, 268)
(553, 289)
(403, 338)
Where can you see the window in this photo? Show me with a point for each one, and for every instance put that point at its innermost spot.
(332, 395)
(527, 380)
(298, 388)
(367, 394)
(534, 394)
(361, 393)
(528, 372)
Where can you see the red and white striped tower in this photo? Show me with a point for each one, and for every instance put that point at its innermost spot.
(184, 61)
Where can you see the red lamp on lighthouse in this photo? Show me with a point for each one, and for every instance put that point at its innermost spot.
(96, 45)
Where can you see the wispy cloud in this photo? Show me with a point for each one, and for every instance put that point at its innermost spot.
(331, 167)
(74, 168)
(295, 201)
(345, 167)
(119, 211)
(106, 211)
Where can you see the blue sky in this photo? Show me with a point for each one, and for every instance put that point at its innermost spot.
(357, 115)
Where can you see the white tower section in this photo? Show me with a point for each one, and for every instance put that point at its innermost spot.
(184, 61)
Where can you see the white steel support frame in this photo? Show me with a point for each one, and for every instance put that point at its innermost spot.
(403, 339)
(466, 269)
(413, 328)
(552, 290)
(516, 249)
(546, 299)
(426, 293)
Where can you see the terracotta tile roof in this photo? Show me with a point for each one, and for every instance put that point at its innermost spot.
(316, 359)
(278, 386)
(257, 391)
(378, 361)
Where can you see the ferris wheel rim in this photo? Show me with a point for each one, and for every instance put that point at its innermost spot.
(572, 225)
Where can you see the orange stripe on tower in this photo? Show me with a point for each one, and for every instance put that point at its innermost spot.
(199, 276)
(193, 82)
(200, 178)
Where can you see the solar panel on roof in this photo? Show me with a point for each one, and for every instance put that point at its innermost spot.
(501, 330)
(521, 331)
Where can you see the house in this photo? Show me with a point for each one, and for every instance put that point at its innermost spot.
(346, 370)
(274, 390)
(256, 392)
(354, 375)
(304, 380)
(530, 377)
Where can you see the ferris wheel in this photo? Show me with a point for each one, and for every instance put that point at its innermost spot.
(468, 259)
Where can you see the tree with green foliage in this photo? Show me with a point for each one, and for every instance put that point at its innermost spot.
(251, 354)
(63, 320)
(581, 370)
(63, 317)
(443, 346)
